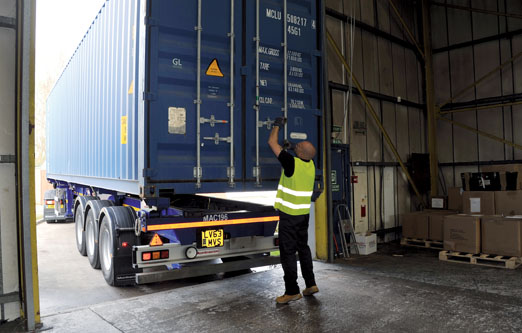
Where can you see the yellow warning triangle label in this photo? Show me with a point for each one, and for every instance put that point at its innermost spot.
(156, 241)
(213, 69)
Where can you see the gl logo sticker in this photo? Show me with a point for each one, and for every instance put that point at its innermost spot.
(176, 63)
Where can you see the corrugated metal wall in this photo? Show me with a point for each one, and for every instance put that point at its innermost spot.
(466, 46)
(385, 63)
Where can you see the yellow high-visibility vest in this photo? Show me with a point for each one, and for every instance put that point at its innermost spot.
(294, 194)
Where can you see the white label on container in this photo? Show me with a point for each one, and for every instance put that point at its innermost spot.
(264, 66)
(437, 203)
(298, 136)
(295, 71)
(474, 204)
(177, 120)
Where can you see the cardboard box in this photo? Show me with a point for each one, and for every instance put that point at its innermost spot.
(478, 202)
(462, 233)
(506, 168)
(436, 224)
(455, 199)
(508, 203)
(415, 225)
(366, 243)
(502, 235)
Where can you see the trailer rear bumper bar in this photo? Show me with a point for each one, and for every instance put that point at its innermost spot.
(180, 254)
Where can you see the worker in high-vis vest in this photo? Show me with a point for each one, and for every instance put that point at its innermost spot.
(293, 200)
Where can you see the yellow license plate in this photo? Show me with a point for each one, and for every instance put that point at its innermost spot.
(212, 238)
(50, 206)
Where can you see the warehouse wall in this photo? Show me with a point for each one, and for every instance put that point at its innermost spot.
(9, 286)
(390, 68)
(462, 56)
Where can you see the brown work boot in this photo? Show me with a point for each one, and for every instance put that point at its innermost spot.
(310, 291)
(288, 298)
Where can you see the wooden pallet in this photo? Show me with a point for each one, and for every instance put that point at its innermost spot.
(481, 259)
(422, 243)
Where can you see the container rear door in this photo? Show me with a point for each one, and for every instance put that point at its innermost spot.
(268, 80)
(179, 104)
(173, 97)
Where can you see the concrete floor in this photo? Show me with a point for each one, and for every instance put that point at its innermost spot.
(397, 290)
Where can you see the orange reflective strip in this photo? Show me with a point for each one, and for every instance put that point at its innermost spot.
(211, 223)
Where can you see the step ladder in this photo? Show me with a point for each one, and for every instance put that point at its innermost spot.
(346, 227)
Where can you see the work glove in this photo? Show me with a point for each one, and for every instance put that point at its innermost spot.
(287, 145)
(279, 122)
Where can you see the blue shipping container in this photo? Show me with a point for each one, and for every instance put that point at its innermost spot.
(179, 96)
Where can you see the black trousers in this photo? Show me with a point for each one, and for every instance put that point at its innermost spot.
(293, 237)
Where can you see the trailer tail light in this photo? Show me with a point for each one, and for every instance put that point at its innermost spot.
(276, 241)
(124, 244)
(165, 254)
(155, 255)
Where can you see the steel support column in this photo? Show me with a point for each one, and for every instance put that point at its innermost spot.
(430, 99)
(375, 117)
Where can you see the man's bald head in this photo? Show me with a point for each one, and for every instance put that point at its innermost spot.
(305, 150)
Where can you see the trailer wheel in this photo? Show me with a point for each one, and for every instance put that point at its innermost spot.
(91, 236)
(107, 251)
(80, 234)
(117, 229)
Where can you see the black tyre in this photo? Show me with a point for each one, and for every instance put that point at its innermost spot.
(80, 234)
(107, 242)
(91, 239)
(116, 258)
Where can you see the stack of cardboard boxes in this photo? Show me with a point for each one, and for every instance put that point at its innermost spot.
(486, 220)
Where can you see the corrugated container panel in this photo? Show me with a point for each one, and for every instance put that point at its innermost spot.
(123, 115)
(90, 100)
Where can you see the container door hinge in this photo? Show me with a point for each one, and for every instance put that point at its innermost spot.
(317, 53)
(244, 70)
(147, 172)
(148, 96)
(231, 174)
(150, 21)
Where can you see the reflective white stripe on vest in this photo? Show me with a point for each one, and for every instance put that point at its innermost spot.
(295, 193)
(291, 205)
